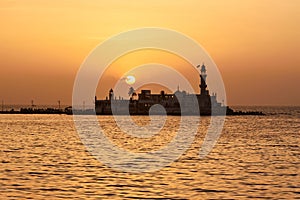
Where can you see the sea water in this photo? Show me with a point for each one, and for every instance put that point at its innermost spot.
(42, 157)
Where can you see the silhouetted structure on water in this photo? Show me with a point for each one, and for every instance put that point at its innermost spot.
(179, 103)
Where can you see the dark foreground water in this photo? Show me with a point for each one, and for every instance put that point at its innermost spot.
(42, 157)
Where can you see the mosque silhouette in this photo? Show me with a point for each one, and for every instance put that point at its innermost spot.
(178, 103)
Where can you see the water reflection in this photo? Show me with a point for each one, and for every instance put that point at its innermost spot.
(41, 156)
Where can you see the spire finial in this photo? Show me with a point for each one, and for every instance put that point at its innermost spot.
(203, 68)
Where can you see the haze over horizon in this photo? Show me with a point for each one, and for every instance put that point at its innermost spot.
(254, 43)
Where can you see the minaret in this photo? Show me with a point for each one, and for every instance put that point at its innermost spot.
(203, 76)
(111, 94)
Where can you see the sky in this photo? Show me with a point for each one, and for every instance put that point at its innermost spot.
(254, 43)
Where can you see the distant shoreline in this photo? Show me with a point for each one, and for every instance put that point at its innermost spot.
(68, 111)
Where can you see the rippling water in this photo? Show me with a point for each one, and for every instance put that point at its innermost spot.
(42, 156)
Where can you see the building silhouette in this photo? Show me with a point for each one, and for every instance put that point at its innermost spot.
(179, 103)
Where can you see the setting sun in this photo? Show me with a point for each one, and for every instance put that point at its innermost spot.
(130, 80)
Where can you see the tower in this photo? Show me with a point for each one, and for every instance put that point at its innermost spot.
(203, 84)
(111, 94)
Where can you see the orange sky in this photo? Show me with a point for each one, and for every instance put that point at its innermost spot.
(255, 43)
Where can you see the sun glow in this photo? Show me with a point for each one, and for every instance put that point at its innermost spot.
(130, 80)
